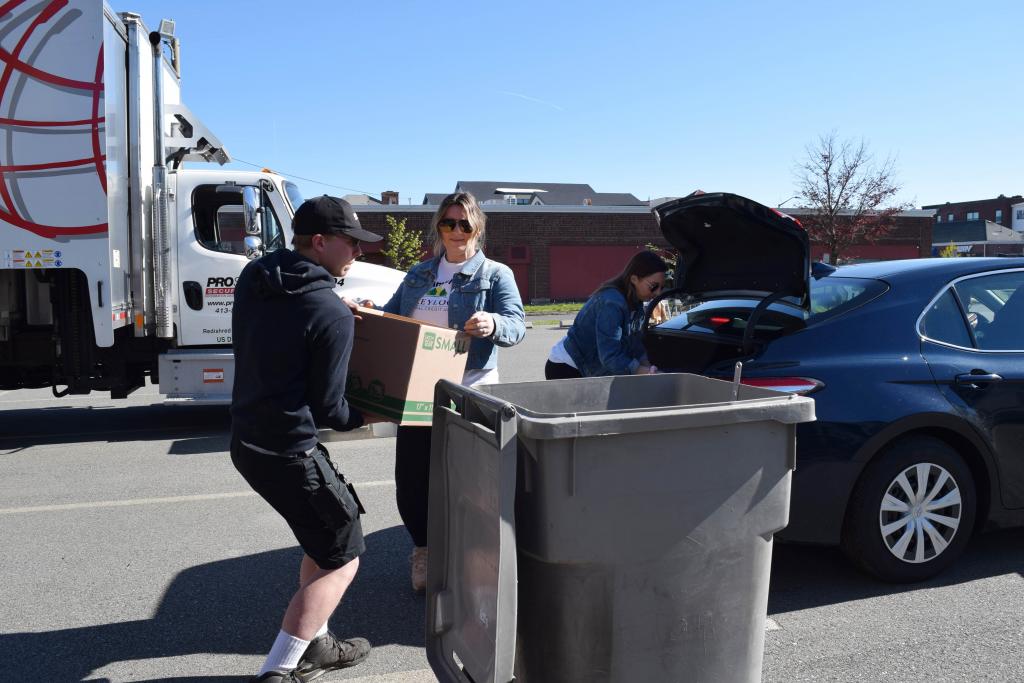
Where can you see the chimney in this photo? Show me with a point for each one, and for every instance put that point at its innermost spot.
(587, 201)
(388, 197)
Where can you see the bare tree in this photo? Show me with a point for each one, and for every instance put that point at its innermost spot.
(851, 196)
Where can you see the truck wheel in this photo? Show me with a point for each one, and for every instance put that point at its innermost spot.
(912, 511)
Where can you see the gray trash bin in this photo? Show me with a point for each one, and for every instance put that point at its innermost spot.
(605, 529)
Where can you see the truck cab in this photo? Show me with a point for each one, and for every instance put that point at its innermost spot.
(121, 234)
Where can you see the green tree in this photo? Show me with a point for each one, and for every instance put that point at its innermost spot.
(949, 251)
(404, 245)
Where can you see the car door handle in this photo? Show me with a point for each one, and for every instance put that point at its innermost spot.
(972, 379)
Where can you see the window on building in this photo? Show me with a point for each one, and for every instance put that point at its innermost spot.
(972, 215)
(938, 218)
(999, 215)
(949, 217)
(1020, 214)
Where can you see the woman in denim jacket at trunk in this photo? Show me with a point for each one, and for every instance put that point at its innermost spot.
(463, 289)
(605, 336)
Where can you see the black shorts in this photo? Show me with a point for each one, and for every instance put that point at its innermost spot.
(312, 496)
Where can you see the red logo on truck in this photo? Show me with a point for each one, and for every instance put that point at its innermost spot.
(34, 17)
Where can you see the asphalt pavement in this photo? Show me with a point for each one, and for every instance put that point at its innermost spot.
(133, 551)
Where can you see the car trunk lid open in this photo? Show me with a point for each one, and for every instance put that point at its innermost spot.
(730, 247)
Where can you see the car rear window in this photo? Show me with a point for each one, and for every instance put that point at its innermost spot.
(832, 296)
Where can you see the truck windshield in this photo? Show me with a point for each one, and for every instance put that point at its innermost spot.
(294, 196)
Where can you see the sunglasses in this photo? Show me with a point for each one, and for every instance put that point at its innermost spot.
(352, 241)
(449, 224)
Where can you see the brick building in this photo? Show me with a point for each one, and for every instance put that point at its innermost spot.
(556, 252)
(910, 237)
(1001, 210)
(564, 252)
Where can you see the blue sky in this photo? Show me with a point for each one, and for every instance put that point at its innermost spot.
(653, 98)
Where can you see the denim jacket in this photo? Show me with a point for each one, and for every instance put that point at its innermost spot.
(481, 285)
(605, 337)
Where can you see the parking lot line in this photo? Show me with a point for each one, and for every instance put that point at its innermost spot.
(154, 501)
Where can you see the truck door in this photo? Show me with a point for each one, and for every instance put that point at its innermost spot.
(211, 256)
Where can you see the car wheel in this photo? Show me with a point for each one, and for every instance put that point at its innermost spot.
(912, 511)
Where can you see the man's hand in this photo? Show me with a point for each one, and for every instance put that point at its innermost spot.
(481, 325)
(354, 305)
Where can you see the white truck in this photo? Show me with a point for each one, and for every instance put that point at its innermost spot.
(117, 262)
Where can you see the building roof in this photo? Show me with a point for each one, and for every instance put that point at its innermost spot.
(908, 213)
(434, 198)
(973, 231)
(360, 199)
(548, 194)
(1015, 198)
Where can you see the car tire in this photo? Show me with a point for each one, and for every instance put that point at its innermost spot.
(898, 533)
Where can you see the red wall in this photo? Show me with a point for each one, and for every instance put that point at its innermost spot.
(577, 270)
(872, 252)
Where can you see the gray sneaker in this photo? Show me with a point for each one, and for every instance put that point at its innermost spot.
(328, 653)
(276, 677)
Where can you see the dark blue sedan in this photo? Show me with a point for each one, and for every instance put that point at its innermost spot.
(916, 368)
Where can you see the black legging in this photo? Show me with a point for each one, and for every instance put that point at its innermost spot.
(560, 371)
(412, 480)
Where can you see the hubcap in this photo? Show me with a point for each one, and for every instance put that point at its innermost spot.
(920, 513)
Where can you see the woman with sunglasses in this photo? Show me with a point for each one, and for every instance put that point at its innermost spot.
(605, 336)
(463, 289)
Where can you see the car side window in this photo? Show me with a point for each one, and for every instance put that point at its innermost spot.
(945, 323)
(995, 309)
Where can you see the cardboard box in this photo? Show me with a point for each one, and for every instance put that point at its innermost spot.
(395, 363)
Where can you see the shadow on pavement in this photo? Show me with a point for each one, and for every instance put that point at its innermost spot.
(22, 428)
(228, 607)
(809, 576)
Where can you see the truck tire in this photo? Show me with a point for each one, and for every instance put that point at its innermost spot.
(912, 511)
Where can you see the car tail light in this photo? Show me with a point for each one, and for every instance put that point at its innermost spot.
(720, 320)
(792, 385)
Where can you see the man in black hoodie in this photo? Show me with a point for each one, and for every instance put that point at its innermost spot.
(292, 341)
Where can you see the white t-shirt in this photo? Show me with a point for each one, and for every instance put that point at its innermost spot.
(433, 308)
(560, 355)
(433, 305)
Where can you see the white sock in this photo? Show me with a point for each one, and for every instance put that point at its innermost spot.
(323, 630)
(285, 654)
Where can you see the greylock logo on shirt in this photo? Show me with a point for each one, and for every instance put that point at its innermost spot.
(436, 298)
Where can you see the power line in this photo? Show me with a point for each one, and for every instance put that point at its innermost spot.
(308, 180)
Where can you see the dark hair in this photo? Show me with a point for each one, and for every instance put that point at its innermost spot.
(642, 264)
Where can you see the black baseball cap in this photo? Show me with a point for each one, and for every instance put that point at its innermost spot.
(326, 215)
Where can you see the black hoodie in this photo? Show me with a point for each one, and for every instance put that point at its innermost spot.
(292, 340)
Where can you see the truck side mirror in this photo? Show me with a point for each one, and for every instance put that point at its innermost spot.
(253, 247)
(251, 211)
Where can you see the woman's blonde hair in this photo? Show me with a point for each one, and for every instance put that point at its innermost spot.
(477, 219)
